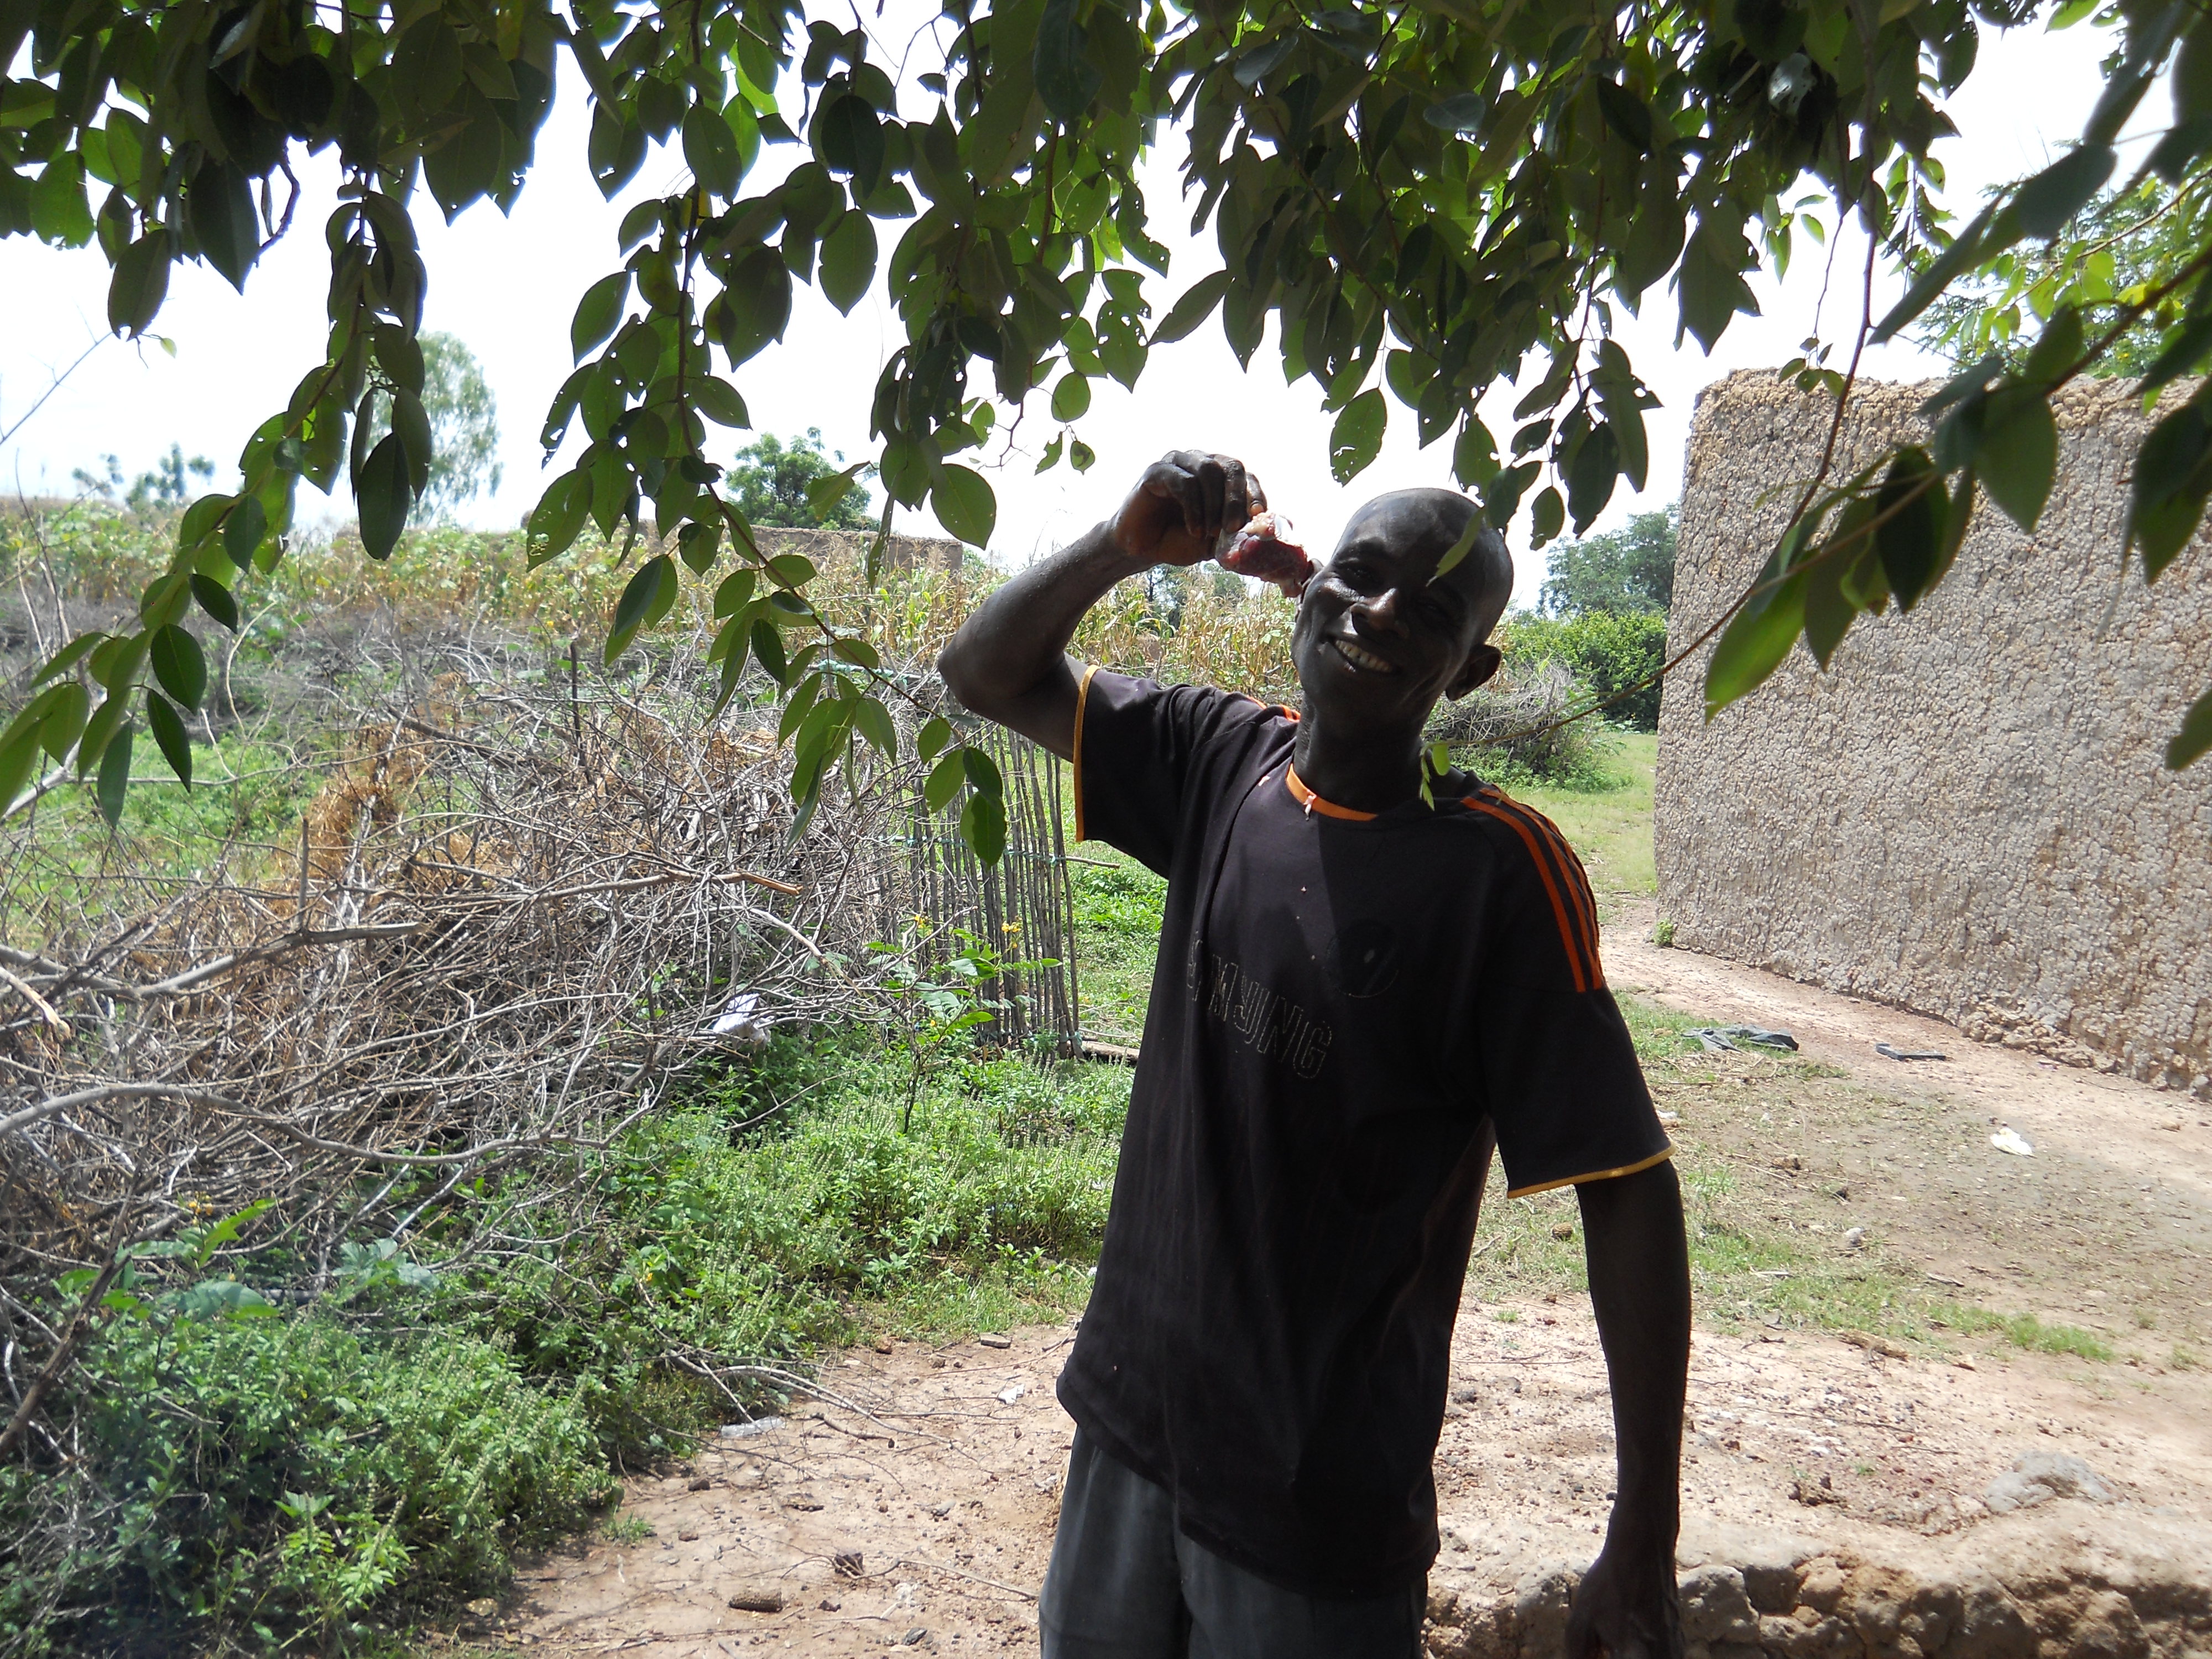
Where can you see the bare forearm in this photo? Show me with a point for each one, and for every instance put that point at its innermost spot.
(1008, 661)
(1639, 1274)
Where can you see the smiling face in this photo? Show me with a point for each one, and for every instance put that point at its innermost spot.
(1379, 638)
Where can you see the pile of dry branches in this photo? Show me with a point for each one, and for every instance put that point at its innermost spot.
(518, 910)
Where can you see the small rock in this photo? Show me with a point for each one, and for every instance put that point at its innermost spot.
(805, 1500)
(915, 1637)
(830, 1604)
(1853, 1236)
(993, 1339)
(940, 1510)
(758, 1602)
(1805, 1490)
(1563, 1231)
(1822, 1586)
(699, 1483)
(687, 1537)
(846, 1564)
(2070, 1477)
(1715, 1609)
(1466, 1395)
(882, 1344)
(483, 1607)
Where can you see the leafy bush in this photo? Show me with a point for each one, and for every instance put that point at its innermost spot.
(1608, 652)
(279, 1479)
(1514, 731)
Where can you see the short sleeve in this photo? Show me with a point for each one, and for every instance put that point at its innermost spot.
(1136, 742)
(1566, 1094)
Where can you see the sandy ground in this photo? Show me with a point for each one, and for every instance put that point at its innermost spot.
(912, 1502)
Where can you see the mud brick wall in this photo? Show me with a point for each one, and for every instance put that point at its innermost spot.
(1967, 815)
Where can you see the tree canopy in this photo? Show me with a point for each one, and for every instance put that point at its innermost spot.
(1429, 201)
(797, 485)
(1622, 572)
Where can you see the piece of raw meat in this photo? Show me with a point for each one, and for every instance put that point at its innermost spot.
(1264, 547)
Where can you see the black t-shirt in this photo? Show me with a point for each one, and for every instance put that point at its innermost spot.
(1350, 1010)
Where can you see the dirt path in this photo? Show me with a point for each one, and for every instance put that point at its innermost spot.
(913, 1503)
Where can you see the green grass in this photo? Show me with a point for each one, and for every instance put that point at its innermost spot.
(2026, 1331)
(1117, 929)
(1611, 829)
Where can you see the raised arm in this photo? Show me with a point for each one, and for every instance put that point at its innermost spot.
(1008, 662)
(1639, 1278)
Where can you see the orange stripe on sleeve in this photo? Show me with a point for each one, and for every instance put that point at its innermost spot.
(1579, 964)
(1581, 900)
(1082, 702)
(1652, 1162)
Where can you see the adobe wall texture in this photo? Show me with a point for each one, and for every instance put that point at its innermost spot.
(1967, 815)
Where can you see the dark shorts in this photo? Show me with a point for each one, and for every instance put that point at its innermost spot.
(1125, 1583)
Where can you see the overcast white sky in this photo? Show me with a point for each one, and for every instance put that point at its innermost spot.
(508, 287)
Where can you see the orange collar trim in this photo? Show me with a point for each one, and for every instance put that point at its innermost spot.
(1313, 803)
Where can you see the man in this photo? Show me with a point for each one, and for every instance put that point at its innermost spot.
(1360, 993)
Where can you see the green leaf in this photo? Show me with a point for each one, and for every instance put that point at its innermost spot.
(648, 596)
(67, 657)
(2173, 476)
(710, 150)
(219, 209)
(2018, 456)
(140, 284)
(65, 721)
(1547, 516)
(1591, 475)
(1828, 612)
(935, 734)
(17, 762)
(599, 314)
(874, 722)
(734, 594)
(768, 648)
(1196, 305)
(558, 518)
(178, 664)
(1357, 438)
(718, 400)
(943, 781)
(1070, 398)
(1625, 114)
(755, 306)
(983, 827)
(243, 529)
(1755, 642)
(1461, 113)
(168, 728)
(114, 772)
(848, 259)
(2047, 202)
(1457, 553)
(2195, 737)
(982, 771)
(100, 729)
(59, 212)
(965, 505)
(1066, 80)
(2058, 350)
(1909, 542)
(383, 495)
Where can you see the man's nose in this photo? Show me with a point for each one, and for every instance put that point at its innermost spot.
(1382, 611)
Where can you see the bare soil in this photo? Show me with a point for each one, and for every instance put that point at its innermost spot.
(912, 1502)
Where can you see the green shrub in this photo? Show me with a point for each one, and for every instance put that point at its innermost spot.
(1608, 651)
(277, 1479)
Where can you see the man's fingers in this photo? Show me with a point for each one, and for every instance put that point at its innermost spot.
(1214, 488)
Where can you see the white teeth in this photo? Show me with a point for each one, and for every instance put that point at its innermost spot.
(1361, 659)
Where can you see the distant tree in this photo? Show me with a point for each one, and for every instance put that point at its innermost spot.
(1622, 572)
(770, 477)
(167, 485)
(463, 418)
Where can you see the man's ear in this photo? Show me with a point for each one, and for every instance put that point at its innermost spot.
(1482, 662)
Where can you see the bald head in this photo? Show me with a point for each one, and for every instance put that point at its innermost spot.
(1428, 523)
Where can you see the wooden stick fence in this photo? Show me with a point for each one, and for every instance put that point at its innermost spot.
(1022, 906)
